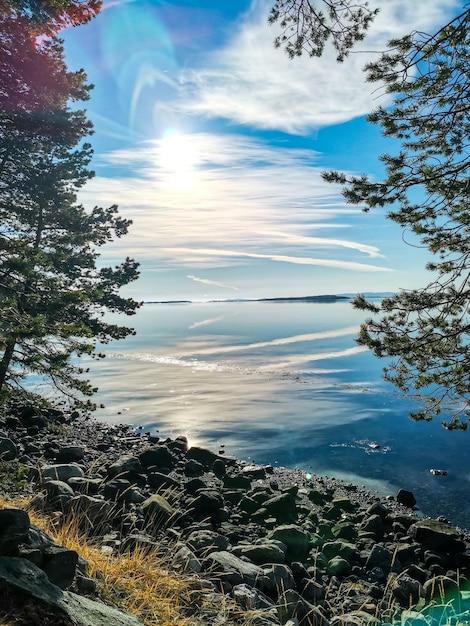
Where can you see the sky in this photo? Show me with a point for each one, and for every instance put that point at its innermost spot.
(213, 143)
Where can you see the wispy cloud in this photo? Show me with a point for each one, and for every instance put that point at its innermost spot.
(206, 322)
(280, 341)
(193, 253)
(250, 82)
(206, 281)
(207, 201)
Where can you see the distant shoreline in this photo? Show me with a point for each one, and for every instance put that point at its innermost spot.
(323, 298)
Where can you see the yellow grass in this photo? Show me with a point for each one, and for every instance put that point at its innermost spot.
(137, 582)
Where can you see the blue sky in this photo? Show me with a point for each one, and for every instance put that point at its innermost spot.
(213, 143)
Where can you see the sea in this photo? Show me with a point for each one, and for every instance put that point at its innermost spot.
(281, 383)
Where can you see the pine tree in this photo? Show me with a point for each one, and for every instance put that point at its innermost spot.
(426, 189)
(306, 26)
(53, 294)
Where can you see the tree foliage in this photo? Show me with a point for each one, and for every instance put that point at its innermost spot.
(426, 189)
(307, 27)
(48, 17)
(53, 291)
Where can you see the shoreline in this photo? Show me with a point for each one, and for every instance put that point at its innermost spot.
(237, 530)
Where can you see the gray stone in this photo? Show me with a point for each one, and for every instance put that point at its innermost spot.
(250, 599)
(255, 472)
(268, 552)
(343, 549)
(90, 486)
(14, 527)
(202, 455)
(207, 503)
(68, 454)
(157, 480)
(127, 464)
(295, 538)
(337, 566)
(374, 525)
(379, 557)
(157, 510)
(436, 535)
(232, 569)
(61, 472)
(117, 490)
(58, 492)
(282, 507)
(406, 498)
(157, 456)
(24, 576)
(91, 513)
(279, 578)
(186, 561)
(193, 468)
(290, 605)
(206, 541)
(59, 565)
(407, 590)
(8, 449)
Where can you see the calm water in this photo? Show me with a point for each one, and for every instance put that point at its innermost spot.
(281, 383)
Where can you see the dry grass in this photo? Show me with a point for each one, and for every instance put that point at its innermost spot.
(137, 582)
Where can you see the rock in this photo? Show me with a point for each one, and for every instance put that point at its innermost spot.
(59, 565)
(61, 472)
(206, 541)
(14, 528)
(230, 568)
(406, 498)
(406, 590)
(296, 540)
(202, 455)
(290, 605)
(374, 525)
(343, 549)
(126, 464)
(255, 472)
(25, 577)
(207, 504)
(157, 456)
(436, 535)
(186, 561)
(8, 449)
(442, 588)
(236, 481)
(91, 513)
(282, 507)
(269, 552)
(337, 566)
(157, 510)
(69, 454)
(250, 599)
(58, 492)
(157, 480)
(193, 468)
(89, 486)
(379, 557)
(278, 578)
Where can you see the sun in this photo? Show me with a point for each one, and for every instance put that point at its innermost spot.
(177, 159)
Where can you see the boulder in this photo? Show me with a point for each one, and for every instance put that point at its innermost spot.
(206, 541)
(127, 464)
(436, 535)
(202, 455)
(157, 510)
(157, 456)
(62, 471)
(59, 565)
(250, 599)
(69, 454)
(406, 498)
(24, 577)
(230, 568)
(14, 527)
(296, 540)
(8, 449)
(268, 552)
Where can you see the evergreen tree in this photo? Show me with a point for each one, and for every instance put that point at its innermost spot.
(53, 294)
(306, 26)
(426, 189)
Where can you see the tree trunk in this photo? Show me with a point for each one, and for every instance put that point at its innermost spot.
(5, 362)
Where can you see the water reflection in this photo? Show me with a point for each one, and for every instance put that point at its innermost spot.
(281, 384)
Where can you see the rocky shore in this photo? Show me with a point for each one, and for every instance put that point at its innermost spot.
(258, 545)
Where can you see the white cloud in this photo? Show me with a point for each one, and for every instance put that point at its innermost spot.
(250, 82)
(233, 200)
(206, 281)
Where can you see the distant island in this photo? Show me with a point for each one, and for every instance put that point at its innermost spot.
(323, 298)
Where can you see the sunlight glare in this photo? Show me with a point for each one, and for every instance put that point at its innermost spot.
(177, 159)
